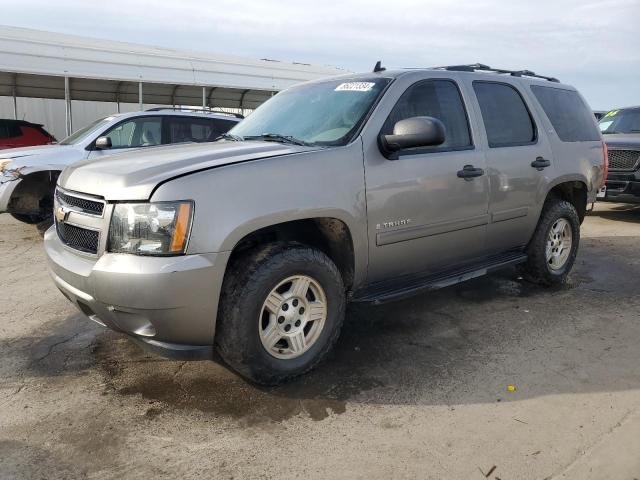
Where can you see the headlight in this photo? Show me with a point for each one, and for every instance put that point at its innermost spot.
(160, 228)
(4, 162)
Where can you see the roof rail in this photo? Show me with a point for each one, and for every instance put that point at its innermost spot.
(195, 109)
(474, 67)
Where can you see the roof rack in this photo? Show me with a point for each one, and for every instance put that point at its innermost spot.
(474, 67)
(195, 109)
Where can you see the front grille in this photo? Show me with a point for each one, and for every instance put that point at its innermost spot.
(623, 159)
(92, 207)
(78, 238)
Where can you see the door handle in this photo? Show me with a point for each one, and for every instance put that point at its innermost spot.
(540, 163)
(468, 172)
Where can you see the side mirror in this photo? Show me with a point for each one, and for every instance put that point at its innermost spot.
(411, 133)
(103, 143)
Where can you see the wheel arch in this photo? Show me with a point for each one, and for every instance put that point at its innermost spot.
(329, 234)
(574, 191)
(33, 191)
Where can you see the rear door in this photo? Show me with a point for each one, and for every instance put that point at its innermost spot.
(422, 217)
(519, 162)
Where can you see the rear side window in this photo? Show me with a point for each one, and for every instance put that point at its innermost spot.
(10, 130)
(223, 126)
(506, 118)
(570, 117)
(187, 129)
(439, 99)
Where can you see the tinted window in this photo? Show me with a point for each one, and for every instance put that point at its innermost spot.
(223, 126)
(570, 117)
(186, 129)
(10, 130)
(505, 115)
(434, 98)
(137, 132)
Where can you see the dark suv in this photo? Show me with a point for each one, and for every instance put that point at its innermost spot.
(621, 130)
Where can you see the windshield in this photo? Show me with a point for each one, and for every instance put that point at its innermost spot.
(621, 121)
(326, 113)
(84, 132)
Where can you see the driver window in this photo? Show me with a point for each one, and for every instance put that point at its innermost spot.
(137, 132)
(439, 99)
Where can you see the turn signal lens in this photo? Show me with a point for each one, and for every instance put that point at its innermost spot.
(181, 229)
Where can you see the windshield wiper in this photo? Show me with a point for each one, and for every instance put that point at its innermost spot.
(229, 136)
(276, 137)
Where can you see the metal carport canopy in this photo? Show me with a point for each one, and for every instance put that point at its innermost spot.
(35, 63)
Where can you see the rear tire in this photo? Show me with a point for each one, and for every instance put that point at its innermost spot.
(554, 245)
(281, 311)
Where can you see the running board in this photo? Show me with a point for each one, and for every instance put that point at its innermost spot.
(396, 289)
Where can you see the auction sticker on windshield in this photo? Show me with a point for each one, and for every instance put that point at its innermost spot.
(355, 87)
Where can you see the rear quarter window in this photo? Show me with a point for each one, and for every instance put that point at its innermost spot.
(571, 118)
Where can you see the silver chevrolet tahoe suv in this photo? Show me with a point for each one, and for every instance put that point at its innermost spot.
(360, 188)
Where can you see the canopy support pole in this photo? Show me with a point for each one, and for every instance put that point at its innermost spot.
(242, 100)
(204, 97)
(67, 102)
(209, 98)
(140, 103)
(15, 100)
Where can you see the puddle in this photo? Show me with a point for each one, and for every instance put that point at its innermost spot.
(209, 387)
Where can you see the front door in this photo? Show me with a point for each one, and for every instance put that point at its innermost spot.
(145, 131)
(423, 215)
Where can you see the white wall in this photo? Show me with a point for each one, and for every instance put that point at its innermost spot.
(50, 113)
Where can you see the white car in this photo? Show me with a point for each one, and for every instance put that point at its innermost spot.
(28, 175)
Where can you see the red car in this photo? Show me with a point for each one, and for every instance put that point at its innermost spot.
(19, 133)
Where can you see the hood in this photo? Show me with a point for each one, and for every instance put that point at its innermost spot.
(134, 175)
(43, 155)
(618, 140)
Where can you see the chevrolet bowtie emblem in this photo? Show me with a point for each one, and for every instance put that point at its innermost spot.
(61, 214)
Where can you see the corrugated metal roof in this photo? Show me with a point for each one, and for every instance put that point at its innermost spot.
(35, 63)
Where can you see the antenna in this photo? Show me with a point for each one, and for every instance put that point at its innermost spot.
(378, 67)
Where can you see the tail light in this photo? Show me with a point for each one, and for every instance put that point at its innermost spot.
(605, 164)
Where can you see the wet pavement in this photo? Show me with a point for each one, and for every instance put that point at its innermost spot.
(414, 389)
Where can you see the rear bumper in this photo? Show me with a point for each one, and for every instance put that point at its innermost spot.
(168, 304)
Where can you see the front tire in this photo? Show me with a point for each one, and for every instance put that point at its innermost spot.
(29, 219)
(281, 312)
(554, 245)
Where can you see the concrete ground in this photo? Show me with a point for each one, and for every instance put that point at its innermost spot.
(414, 389)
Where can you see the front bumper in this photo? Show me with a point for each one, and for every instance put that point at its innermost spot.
(623, 188)
(168, 304)
(7, 185)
